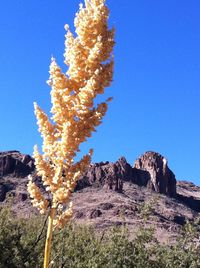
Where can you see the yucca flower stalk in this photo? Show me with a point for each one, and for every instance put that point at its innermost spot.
(88, 55)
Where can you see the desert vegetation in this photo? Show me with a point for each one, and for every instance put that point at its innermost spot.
(22, 240)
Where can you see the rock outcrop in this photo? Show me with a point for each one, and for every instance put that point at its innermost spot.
(14, 169)
(106, 175)
(151, 170)
(16, 164)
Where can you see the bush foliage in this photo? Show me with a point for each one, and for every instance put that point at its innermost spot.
(22, 241)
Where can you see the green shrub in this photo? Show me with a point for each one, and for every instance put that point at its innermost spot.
(18, 245)
(185, 253)
(22, 241)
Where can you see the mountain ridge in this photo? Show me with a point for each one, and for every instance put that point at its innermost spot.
(110, 194)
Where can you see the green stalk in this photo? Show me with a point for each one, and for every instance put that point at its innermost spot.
(47, 251)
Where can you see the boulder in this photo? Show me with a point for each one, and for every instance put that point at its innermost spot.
(3, 191)
(95, 213)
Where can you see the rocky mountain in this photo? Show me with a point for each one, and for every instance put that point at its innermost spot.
(113, 193)
(149, 170)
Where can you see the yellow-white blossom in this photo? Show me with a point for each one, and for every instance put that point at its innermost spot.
(88, 55)
(38, 199)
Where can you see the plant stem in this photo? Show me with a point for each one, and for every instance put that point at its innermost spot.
(47, 251)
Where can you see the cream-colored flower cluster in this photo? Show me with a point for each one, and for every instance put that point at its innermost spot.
(63, 217)
(88, 56)
(38, 200)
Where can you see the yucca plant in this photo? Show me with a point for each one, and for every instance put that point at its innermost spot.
(88, 55)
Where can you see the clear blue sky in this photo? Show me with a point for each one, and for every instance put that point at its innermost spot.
(156, 86)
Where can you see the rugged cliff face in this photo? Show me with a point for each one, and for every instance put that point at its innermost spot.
(112, 193)
(14, 169)
(155, 173)
(16, 164)
(149, 170)
(107, 175)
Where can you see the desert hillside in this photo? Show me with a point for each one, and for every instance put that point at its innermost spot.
(113, 194)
